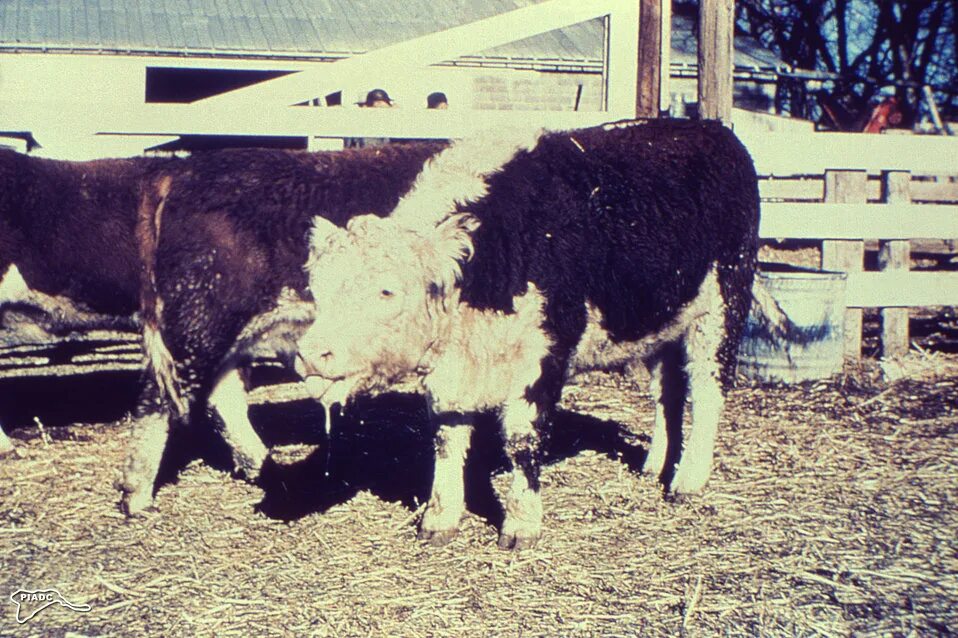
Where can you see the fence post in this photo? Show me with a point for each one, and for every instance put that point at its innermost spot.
(895, 255)
(715, 59)
(647, 93)
(842, 255)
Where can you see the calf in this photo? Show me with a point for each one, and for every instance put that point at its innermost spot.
(205, 254)
(223, 242)
(508, 266)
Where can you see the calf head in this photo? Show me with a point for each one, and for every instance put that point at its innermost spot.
(383, 290)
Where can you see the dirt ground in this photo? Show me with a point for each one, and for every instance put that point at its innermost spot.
(833, 511)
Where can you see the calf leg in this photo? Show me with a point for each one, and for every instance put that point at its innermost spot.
(702, 342)
(667, 387)
(6, 445)
(522, 524)
(150, 433)
(228, 399)
(447, 503)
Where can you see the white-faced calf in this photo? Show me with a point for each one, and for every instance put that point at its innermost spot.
(507, 267)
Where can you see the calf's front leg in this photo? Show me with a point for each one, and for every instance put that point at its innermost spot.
(522, 524)
(228, 399)
(447, 502)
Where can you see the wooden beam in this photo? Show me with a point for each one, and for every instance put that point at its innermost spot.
(813, 153)
(649, 79)
(665, 57)
(622, 60)
(715, 59)
(796, 220)
(173, 119)
(844, 255)
(901, 289)
(895, 256)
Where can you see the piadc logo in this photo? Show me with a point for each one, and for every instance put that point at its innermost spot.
(31, 602)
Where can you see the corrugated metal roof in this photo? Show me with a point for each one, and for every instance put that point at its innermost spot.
(308, 28)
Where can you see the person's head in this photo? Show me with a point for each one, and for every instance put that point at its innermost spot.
(437, 100)
(377, 99)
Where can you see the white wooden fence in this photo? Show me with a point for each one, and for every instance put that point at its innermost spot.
(845, 189)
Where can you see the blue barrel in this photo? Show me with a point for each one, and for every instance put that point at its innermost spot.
(815, 302)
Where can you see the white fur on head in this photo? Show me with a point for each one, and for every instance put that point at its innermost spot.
(458, 174)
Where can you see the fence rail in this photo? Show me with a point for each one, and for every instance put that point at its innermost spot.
(855, 191)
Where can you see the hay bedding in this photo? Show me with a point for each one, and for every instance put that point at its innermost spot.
(831, 512)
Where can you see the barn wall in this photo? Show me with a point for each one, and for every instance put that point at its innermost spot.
(532, 90)
(87, 79)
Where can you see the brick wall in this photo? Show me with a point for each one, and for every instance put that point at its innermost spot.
(536, 91)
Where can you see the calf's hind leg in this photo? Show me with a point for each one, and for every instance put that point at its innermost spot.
(6, 445)
(702, 342)
(667, 386)
(149, 436)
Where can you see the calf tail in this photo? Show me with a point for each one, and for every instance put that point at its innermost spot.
(158, 357)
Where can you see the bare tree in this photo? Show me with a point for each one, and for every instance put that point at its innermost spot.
(861, 50)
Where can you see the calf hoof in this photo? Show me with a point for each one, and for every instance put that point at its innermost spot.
(517, 541)
(519, 533)
(677, 499)
(134, 504)
(437, 537)
(654, 462)
(651, 468)
(688, 482)
(249, 467)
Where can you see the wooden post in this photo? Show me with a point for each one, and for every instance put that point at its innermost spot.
(648, 82)
(895, 255)
(846, 187)
(715, 57)
(665, 57)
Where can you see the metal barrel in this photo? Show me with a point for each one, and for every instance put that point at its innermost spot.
(815, 302)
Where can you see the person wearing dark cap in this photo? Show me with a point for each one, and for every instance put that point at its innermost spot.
(375, 99)
(437, 100)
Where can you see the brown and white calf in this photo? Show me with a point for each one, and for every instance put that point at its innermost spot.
(224, 242)
(205, 253)
(508, 266)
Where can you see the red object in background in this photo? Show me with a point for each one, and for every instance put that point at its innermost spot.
(886, 114)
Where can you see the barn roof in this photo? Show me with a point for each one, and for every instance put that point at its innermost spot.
(301, 28)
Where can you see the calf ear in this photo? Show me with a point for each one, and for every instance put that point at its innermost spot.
(453, 247)
(455, 236)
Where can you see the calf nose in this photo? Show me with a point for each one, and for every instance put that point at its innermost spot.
(313, 360)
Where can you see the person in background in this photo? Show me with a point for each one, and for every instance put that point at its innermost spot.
(375, 99)
(437, 100)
